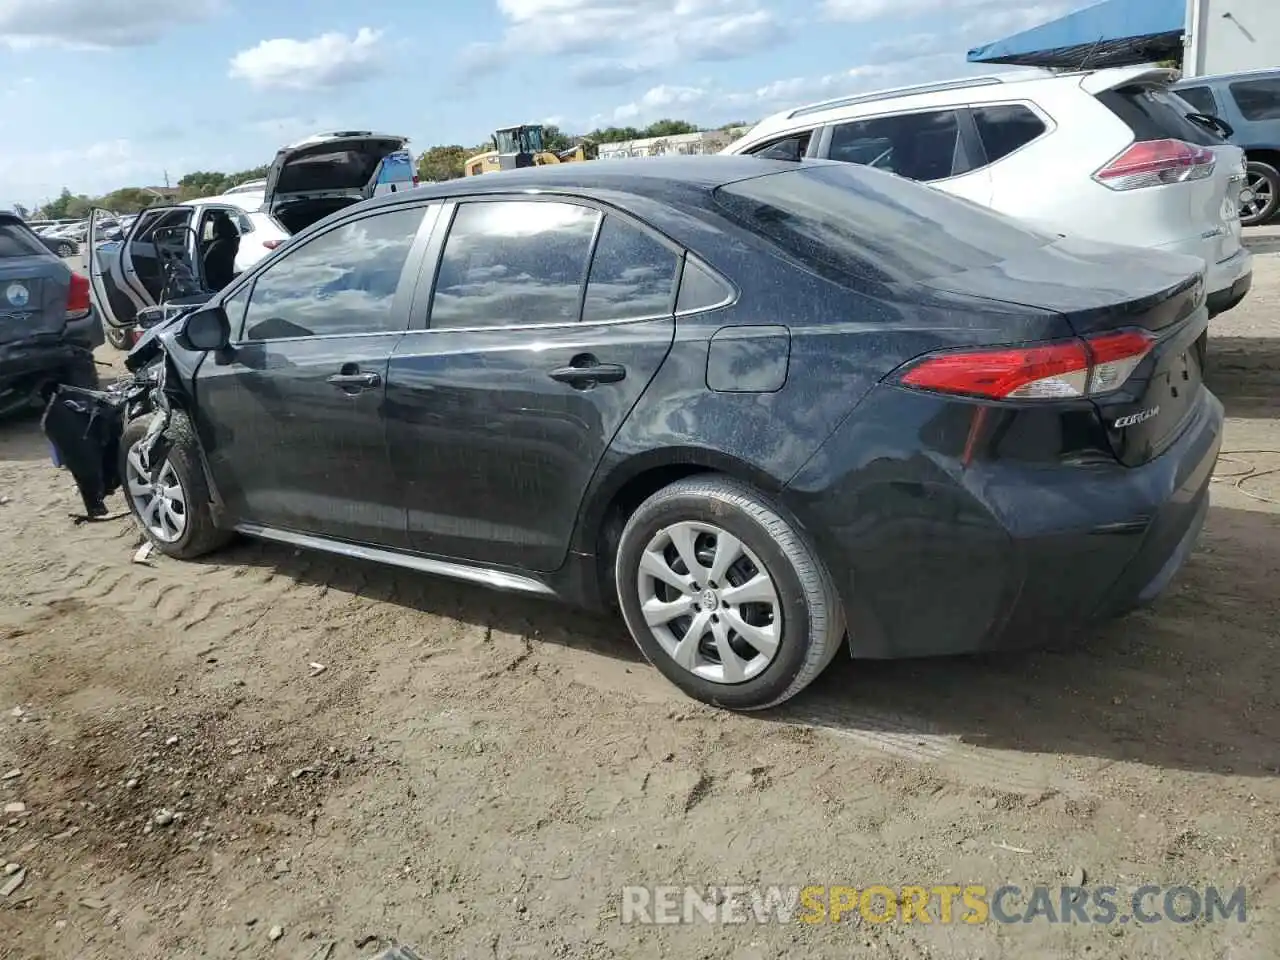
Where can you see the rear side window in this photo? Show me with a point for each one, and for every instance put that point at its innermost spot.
(1200, 98)
(632, 275)
(17, 240)
(918, 146)
(1004, 127)
(700, 288)
(513, 262)
(1258, 99)
(856, 225)
(1152, 114)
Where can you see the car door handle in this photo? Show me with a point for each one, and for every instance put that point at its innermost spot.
(355, 379)
(589, 373)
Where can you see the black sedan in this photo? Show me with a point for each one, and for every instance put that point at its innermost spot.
(766, 409)
(59, 245)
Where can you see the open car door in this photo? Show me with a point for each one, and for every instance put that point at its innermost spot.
(106, 287)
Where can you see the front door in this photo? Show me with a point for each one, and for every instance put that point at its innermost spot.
(293, 417)
(500, 410)
(125, 275)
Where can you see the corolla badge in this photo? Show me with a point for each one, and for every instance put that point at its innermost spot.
(1142, 416)
(17, 295)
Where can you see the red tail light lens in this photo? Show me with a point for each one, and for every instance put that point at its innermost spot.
(1048, 371)
(78, 302)
(271, 244)
(1154, 163)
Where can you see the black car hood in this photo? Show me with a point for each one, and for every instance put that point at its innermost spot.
(1080, 279)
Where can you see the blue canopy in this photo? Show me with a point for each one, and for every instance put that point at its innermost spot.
(1108, 34)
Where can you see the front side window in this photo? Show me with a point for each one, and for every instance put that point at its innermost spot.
(918, 146)
(512, 263)
(341, 283)
(1005, 127)
(1258, 99)
(632, 275)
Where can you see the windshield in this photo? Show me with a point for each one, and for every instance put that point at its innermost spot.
(854, 225)
(519, 140)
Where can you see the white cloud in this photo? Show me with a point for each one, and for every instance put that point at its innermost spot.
(97, 23)
(714, 105)
(329, 60)
(642, 34)
(998, 16)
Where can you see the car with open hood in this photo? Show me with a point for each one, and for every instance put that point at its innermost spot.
(187, 251)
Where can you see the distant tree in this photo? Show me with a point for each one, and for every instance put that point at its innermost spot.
(554, 139)
(669, 128)
(127, 200)
(443, 163)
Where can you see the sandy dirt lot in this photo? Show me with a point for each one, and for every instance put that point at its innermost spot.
(478, 776)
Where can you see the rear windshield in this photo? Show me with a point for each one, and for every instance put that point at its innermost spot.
(17, 240)
(1153, 114)
(344, 166)
(850, 223)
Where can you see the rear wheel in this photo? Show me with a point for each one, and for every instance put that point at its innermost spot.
(169, 500)
(65, 250)
(1263, 182)
(725, 595)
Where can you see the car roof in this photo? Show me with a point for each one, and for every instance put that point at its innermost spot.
(1220, 77)
(958, 90)
(645, 176)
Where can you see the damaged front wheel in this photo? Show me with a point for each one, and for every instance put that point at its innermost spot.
(167, 491)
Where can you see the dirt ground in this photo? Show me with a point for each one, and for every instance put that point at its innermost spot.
(478, 776)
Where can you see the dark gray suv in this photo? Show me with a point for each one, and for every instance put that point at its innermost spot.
(1247, 105)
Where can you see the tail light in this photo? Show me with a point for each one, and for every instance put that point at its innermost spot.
(1154, 163)
(1049, 371)
(415, 179)
(271, 244)
(78, 303)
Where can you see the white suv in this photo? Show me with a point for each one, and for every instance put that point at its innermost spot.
(1106, 154)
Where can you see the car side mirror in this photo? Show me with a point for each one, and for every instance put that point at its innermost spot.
(206, 330)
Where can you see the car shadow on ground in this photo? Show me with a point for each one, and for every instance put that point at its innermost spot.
(1244, 373)
(1186, 684)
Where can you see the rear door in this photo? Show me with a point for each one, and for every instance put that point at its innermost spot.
(930, 146)
(33, 284)
(501, 402)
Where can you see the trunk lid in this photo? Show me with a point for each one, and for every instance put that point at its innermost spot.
(33, 285)
(1104, 288)
(343, 164)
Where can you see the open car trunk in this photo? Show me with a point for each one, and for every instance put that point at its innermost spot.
(313, 178)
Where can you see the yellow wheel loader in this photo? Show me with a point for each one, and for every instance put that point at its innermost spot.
(522, 146)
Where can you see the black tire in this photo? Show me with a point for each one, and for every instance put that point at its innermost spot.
(66, 250)
(200, 535)
(812, 616)
(1266, 176)
(115, 336)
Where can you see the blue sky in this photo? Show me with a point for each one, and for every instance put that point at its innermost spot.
(96, 94)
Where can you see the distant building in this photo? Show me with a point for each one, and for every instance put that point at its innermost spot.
(704, 141)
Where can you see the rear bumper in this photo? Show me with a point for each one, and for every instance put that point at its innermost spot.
(29, 363)
(1224, 300)
(934, 557)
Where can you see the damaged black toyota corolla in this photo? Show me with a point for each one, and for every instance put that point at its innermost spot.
(764, 408)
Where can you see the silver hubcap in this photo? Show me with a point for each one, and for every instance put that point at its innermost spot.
(161, 506)
(1260, 189)
(709, 602)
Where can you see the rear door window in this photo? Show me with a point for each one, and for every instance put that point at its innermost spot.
(1258, 99)
(1006, 127)
(855, 226)
(513, 263)
(632, 275)
(17, 240)
(920, 146)
(1153, 114)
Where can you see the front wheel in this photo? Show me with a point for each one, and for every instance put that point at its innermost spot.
(1263, 183)
(170, 500)
(725, 595)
